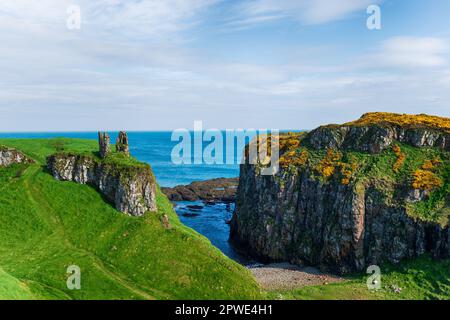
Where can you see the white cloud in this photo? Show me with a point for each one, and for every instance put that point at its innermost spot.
(155, 17)
(305, 11)
(129, 67)
(414, 52)
(133, 18)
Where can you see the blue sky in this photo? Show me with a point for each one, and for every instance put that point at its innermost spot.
(162, 64)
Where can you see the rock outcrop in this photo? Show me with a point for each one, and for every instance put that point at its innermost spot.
(214, 190)
(132, 190)
(10, 156)
(126, 183)
(301, 217)
(361, 135)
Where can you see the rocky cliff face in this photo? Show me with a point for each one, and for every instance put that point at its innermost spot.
(310, 214)
(132, 189)
(9, 156)
(376, 138)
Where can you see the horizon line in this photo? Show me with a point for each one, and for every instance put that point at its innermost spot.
(143, 131)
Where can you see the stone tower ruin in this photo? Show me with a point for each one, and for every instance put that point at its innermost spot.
(104, 144)
(122, 143)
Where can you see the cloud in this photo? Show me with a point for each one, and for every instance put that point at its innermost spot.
(407, 52)
(250, 21)
(304, 11)
(151, 18)
(130, 67)
(135, 18)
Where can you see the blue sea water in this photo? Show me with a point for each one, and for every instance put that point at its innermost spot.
(155, 148)
(211, 221)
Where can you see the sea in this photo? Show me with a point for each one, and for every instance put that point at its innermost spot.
(155, 148)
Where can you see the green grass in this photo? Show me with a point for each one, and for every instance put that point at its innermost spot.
(15, 289)
(421, 279)
(48, 225)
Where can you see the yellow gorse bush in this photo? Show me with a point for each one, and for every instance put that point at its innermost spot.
(327, 166)
(400, 157)
(347, 170)
(332, 161)
(422, 120)
(293, 158)
(289, 144)
(425, 178)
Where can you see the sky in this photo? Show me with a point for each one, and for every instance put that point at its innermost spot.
(163, 64)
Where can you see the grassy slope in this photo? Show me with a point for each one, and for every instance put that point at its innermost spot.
(47, 225)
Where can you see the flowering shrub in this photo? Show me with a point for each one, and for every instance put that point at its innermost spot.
(289, 145)
(431, 164)
(400, 157)
(294, 158)
(425, 178)
(347, 170)
(423, 120)
(327, 166)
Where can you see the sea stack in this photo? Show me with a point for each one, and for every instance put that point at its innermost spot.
(122, 143)
(104, 144)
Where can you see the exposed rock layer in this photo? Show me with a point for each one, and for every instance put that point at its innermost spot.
(9, 156)
(375, 138)
(132, 190)
(303, 220)
(295, 217)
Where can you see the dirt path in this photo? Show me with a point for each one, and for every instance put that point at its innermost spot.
(285, 276)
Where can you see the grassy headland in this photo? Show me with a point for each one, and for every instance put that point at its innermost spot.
(47, 225)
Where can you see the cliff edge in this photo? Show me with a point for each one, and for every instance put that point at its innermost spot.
(348, 196)
(128, 184)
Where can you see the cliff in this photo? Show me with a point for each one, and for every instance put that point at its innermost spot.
(348, 196)
(128, 184)
(9, 156)
(131, 188)
(374, 132)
